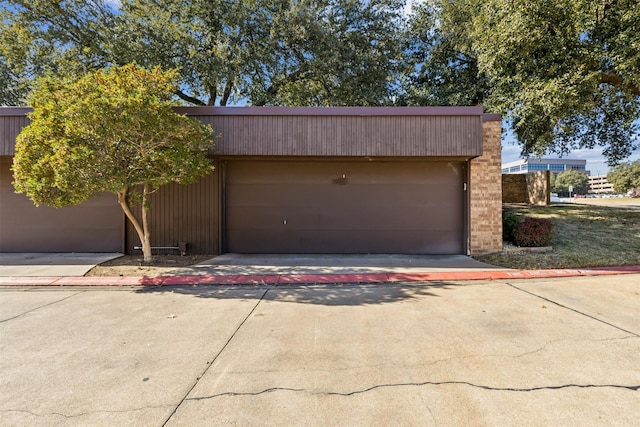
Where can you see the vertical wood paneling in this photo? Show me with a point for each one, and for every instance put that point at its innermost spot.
(322, 135)
(10, 128)
(348, 135)
(189, 213)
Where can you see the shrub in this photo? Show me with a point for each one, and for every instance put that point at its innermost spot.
(509, 222)
(533, 232)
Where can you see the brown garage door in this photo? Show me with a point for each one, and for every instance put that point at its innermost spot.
(401, 207)
(94, 226)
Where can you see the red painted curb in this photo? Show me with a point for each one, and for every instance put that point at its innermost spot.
(299, 279)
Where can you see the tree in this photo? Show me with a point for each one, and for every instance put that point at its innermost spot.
(264, 52)
(441, 66)
(40, 37)
(565, 73)
(575, 179)
(269, 52)
(625, 176)
(111, 130)
(335, 52)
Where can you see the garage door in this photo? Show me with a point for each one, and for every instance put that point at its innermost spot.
(408, 207)
(94, 226)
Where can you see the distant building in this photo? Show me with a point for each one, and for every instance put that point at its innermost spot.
(598, 184)
(554, 165)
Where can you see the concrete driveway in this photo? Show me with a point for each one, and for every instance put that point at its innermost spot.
(528, 352)
(51, 264)
(78, 264)
(336, 264)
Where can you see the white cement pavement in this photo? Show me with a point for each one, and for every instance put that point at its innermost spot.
(506, 352)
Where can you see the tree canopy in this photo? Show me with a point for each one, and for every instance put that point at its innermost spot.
(277, 52)
(625, 177)
(578, 181)
(111, 130)
(565, 74)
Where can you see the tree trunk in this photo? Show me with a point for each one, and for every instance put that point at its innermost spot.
(146, 242)
(141, 230)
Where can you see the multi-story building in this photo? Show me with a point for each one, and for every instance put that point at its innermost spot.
(598, 184)
(554, 165)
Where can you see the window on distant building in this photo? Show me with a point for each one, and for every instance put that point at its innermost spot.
(537, 167)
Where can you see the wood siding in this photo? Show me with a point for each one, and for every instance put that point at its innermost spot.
(368, 136)
(340, 131)
(184, 213)
(12, 120)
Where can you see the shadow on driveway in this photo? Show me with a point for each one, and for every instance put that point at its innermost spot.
(330, 295)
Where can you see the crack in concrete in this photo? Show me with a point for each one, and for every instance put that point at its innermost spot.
(413, 384)
(81, 414)
(213, 360)
(431, 414)
(544, 347)
(39, 307)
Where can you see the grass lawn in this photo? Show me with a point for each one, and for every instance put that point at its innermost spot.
(585, 236)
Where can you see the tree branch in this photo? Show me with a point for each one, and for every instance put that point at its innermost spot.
(275, 86)
(188, 98)
(617, 81)
(213, 94)
(227, 91)
(124, 204)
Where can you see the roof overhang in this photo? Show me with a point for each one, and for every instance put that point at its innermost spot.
(322, 131)
(344, 131)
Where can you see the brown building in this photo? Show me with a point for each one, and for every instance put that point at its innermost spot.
(406, 180)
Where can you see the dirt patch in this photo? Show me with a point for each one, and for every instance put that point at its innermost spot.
(133, 265)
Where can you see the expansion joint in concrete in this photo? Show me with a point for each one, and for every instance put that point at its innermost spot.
(39, 307)
(574, 310)
(215, 357)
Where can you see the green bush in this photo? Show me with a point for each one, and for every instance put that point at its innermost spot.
(533, 232)
(509, 222)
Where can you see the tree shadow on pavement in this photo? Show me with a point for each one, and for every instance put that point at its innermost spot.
(325, 294)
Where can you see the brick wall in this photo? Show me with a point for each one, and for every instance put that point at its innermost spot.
(514, 188)
(485, 234)
(539, 188)
(532, 188)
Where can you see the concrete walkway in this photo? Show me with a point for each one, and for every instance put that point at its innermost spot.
(507, 352)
